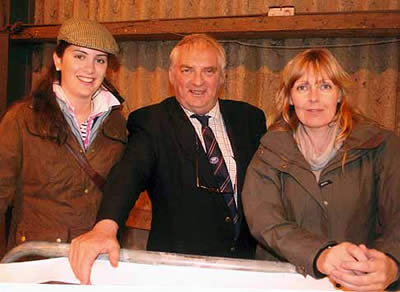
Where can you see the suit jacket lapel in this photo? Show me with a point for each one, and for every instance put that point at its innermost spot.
(186, 136)
(184, 131)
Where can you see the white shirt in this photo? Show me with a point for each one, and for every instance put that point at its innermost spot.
(217, 125)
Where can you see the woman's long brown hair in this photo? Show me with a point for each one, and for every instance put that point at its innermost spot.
(49, 121)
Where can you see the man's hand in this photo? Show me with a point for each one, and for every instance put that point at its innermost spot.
(375, 273)
(85, 249)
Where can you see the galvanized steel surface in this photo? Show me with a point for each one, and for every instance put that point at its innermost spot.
(52, 249)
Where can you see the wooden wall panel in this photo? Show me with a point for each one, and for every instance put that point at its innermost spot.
(4, 9)
(253, 73)
(4, 45)
(397, 93)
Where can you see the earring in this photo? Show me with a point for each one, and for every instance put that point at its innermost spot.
(57, 69)
(332, 123)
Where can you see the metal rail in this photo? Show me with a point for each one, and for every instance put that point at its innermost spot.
(51, 250)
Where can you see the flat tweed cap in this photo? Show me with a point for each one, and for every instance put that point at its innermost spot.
(88, 33)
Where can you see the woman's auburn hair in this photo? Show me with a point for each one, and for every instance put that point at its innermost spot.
(322, 63)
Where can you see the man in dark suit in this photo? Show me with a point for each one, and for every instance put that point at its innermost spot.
(167, 155)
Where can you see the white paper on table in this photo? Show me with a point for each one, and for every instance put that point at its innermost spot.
(145, 277)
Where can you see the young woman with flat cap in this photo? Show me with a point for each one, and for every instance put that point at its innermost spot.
(58, 144)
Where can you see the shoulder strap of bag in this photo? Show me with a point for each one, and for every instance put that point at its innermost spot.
(81, 159)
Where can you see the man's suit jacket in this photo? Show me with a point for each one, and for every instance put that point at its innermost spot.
(161, 157)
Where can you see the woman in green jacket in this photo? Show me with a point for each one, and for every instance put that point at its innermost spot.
(74, 112)
(322, 191)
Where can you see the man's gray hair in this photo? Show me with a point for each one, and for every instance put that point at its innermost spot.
(197, 39)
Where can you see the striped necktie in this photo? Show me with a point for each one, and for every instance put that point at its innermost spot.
(217, 162)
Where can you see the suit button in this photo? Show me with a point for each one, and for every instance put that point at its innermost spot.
(58, 240)
(86, 191)
(23, 238)
(233, 249)
(228, 219)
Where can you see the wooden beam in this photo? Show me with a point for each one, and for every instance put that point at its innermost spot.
(19, 54)
(4, 12)
(397, 110)
(4, 43)
(356, 24)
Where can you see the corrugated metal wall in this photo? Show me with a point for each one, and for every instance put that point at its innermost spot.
(252, 73)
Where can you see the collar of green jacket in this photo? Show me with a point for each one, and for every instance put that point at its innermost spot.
(282, 149)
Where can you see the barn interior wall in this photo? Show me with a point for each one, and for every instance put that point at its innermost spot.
(253, 73)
